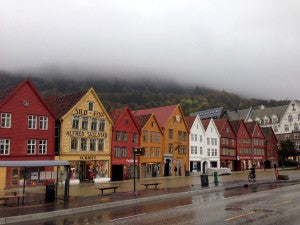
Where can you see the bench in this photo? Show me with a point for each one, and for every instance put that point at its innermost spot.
(7, 197)
(108, 188)
(151, 184)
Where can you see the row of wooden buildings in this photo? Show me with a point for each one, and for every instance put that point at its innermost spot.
(99, 144)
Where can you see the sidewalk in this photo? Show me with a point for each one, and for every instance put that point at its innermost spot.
(85, 197)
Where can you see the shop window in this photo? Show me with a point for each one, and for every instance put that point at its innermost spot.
(74, 144)
(92, 144)
(91, 106)
(31, 146)
(4, 146)
(124, 136)
(83, 144)
(32, 120)
(102, 125)
(117, 152)
(75, 122)
(43, 123)
(94, 124)
(124, 152)
(5, 120)
(84, 123)
(171, 133)
(134, 138)
(42, 147)
(100, 145)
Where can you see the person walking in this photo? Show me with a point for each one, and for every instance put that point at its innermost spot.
(175, 170)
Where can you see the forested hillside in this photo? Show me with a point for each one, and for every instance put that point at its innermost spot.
(140, 93)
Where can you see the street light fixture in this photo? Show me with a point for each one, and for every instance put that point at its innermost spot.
(136, 152)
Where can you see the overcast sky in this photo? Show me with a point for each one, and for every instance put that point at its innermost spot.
(248, 47)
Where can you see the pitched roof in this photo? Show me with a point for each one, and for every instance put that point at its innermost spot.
(269, 112)
(142, 120)
(235, 124)
(209, 113)
(267, 131)
(60, 105)
(116, 113)
(250, 127)
(6, 92)
(242, 114)
(220, 124)
(162, 114)
(190, 121)
(205, 123)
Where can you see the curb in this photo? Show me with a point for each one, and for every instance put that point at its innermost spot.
(66, 212)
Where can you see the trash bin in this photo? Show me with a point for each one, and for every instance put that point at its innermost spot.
(50, 193)
(204, 180)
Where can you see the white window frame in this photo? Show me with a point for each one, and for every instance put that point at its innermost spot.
(43, 122)
(6, 120)
(4, 146)
(43, 147)
(32, 122)
(31, 147)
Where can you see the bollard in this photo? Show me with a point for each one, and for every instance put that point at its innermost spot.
(216, 178)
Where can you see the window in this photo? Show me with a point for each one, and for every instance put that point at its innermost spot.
(184, 136)
(227, 130)
(170, 148)
(124, 152)
(83, 144)
(134, 138)
(290, 118)
(208, 152)
(100, 145)
(171, 133)
(275, 129)
(157, 152)
(117, 152)
(208, 141)
(126, 122)
(32, 122)
(74, 144)
(84, 123)
(200, 138)
(157, 137)
(179, 135)
(91, 106)
(43, 123)
(4, 146)
(151, 152)
(286, 127)
(152, 136)
(195, 137)
(296, 127)
(118, 136)
(180, 149)
(92, 144)
(192, 150)
(196, 152)
(75, 122)
(146, 150)
(5, 120)
(184, 149)
(42, 147)
(274, 119)
(201, 151)
(232, 142)
(31, 146)
(192, 137)
(94, 124)
(124, 136)
(299, 117)
(102, 125)
(145, 136)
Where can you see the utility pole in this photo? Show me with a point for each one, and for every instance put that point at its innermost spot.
(136, 152)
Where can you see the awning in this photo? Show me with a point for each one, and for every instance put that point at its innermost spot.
(34, 163)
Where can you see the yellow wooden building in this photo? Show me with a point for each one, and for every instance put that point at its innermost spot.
(151, 164)
(175, 142)
(84, 131)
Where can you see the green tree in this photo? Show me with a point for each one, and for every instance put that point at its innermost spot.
(287, 149)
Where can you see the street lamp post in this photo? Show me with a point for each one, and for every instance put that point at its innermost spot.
(136, 152)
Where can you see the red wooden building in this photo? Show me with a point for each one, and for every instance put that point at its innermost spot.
(126, 136)
(26, 132)
(227, 144)
(271, 147)
(244, 153)
(257, 144)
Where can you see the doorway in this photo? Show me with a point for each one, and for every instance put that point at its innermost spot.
(117, 172)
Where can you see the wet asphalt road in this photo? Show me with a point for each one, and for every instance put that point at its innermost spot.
(268, 204)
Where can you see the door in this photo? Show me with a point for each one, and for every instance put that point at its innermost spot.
(117, 172)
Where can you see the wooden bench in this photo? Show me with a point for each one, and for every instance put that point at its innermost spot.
(151, 184)
(7, 197)
(108, 188)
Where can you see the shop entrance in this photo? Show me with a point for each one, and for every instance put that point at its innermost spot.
(167, 167)
(117, 172)
(84, 171)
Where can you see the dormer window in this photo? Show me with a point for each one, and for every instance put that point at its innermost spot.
(258, 120)
(91, 107)
(274, 119)
(293, 105)
(266, 120)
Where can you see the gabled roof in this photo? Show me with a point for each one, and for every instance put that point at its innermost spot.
(190, 121)
(162, 114)
(242, 114)
(209, 113)
(117, 113)
(8, 93)
(267, 131)
(251, 127)
(142, 120)
(220, 124)
(269, 112)
(235, 124)
(60, 105)
(205, 123)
